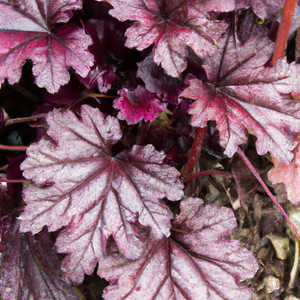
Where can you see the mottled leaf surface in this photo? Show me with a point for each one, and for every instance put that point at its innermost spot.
(242, 95)
(28, 30)
(289, 175)
(137, 105)
(198, 261)
(30, 268)
(265, 9)
(78, 183)
(171, 25)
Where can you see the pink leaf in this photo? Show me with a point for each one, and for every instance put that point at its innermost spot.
(79, 184)
(171, 25)
(137, 105)
(198, 261)
(289, 175)
(27, 31)
(30, 268)
(242, 95)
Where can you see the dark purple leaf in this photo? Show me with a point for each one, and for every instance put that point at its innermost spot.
(265, 9)
(101, 75)
(158, 82)
(245, 23)
(31, 269)
(13, 172)
(66, 94)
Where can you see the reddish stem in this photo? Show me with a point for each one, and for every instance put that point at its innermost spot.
(206, 173)
(13, 148)
(195, 152)
(250, 166)
(25, 119)
(90, 95)
(14, 180)
(286, 20)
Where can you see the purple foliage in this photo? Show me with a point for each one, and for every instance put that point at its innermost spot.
(101, 75)
(30, 262)
(156, 81)
(137, 105)
(27, 32)
(171, 26)
(199, 263)
(265, 9)
(242, 94)
(103, 187)
(121, 193)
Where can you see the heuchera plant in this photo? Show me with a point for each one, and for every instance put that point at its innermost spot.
(119, 98)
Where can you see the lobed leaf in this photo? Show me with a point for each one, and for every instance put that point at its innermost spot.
(289, 175)
(157, 81)
(241, 94)
(27, 31)
(265, 9)
(28, 260)
(198, 261)
(137, 105)
(171, 25)
(79, 184)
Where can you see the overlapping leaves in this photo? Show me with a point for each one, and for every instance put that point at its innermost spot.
(78, 183)
(106, 201)
(198, 261)
(27, 260)
(265, 9)
(242, 95)
(171, 25)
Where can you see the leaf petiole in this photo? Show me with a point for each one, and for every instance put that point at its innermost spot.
(14, 180)
(286, 20)
(13, 148)
(24, 119)
(206, 173)
(250, 166)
